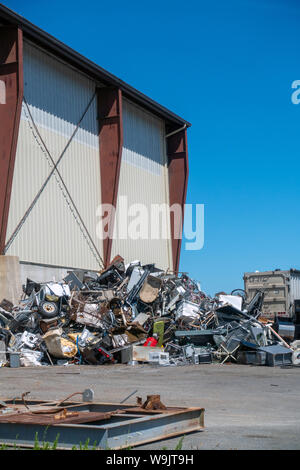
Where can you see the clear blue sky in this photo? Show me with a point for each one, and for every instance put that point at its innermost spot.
(227, 67)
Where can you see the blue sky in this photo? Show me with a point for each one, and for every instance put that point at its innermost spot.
(227, 67)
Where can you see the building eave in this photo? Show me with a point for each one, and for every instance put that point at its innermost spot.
(66, 53)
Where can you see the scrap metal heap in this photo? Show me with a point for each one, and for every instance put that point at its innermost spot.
(101, 318)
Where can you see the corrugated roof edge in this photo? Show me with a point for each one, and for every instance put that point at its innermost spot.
(70, 55)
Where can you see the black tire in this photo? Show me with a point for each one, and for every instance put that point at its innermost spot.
(48, 309)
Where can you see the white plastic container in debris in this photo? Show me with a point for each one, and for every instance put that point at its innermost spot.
(234, 300)
(31, 358)
(159, 357)
(57, 289)
(187, 309)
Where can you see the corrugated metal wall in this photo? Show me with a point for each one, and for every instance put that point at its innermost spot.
(143, 180)
(295, 286)
(57, 96)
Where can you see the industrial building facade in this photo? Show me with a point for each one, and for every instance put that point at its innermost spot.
(73, 136)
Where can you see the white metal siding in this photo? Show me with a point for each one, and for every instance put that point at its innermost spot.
(144, 180)
(294, 287)
(57, 96)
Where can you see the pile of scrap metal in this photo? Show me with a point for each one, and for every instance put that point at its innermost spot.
(109, 317)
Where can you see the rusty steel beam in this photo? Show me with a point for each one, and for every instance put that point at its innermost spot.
(11, 95)
(177, 152)
(111, 144)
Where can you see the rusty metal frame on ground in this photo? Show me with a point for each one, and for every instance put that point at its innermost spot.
(117, 426)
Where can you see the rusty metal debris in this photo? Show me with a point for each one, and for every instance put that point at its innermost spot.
(134, 313)
(106, 425)
(152, 403)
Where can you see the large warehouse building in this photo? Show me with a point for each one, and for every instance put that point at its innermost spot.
(73, 136)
